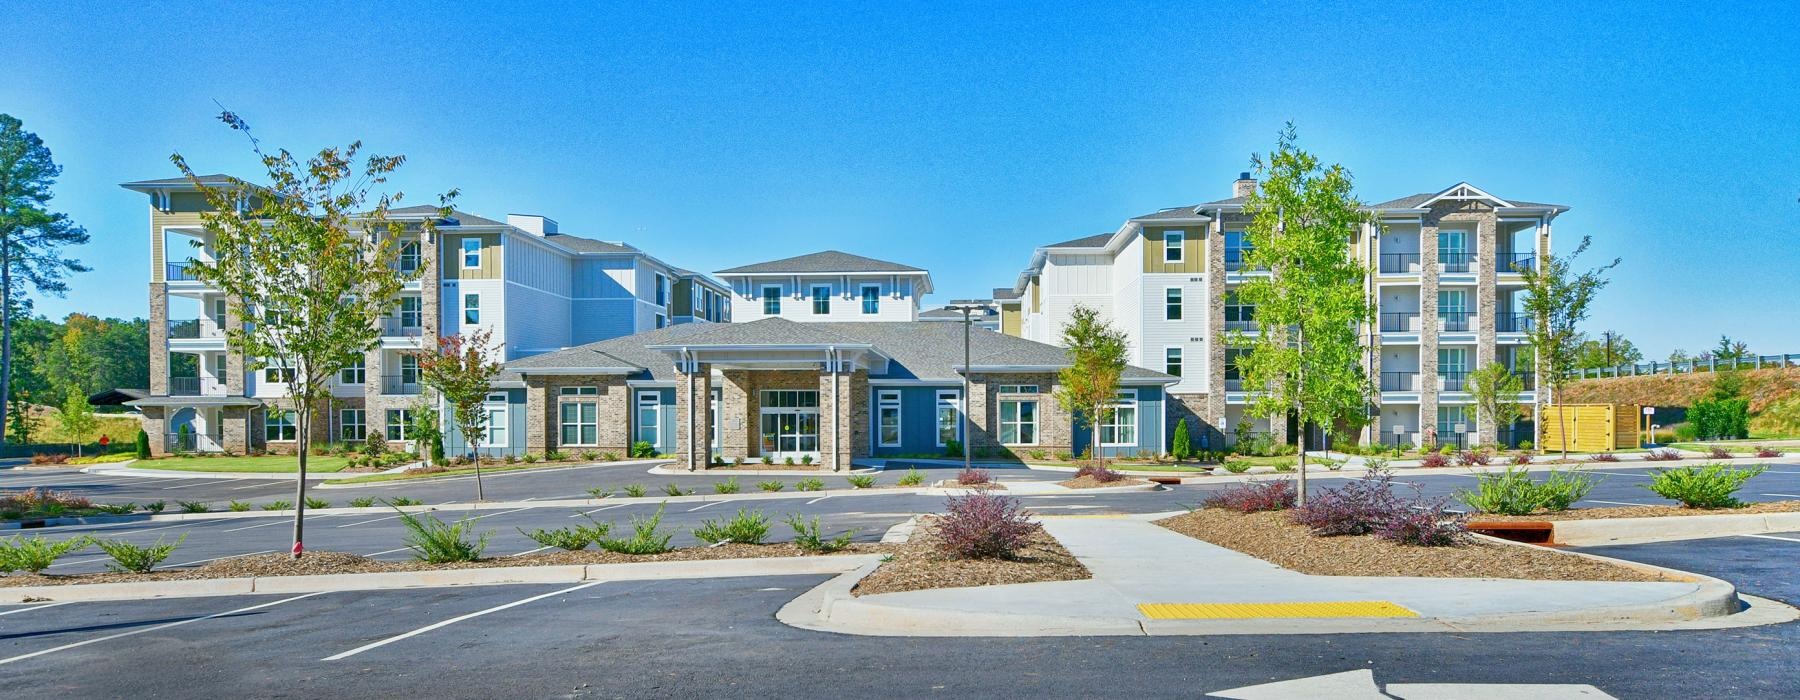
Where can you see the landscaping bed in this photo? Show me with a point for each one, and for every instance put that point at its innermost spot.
(1270, 536)
(261, 464)
(1649, 512)
(1087, 481)
(920, 564)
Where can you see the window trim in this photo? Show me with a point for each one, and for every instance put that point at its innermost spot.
(478, 252)
(1173, 302)
(467, 307)
(768, 299)
(1173, 357)
(637, 417)
(361, 368)
(490, 405)
(1017, 423)
(284, 417)
(812, 293)
(937, 415)
(1126, 399)
(1173, 240)
(361, 423)
(885, 400)
(405, 416)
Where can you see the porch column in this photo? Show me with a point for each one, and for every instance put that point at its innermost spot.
(836, 429)
(693, 415)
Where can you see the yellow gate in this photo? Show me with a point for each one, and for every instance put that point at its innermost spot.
(1592, 427)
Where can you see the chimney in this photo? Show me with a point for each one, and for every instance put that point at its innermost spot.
(1244, 187)
(537, 225)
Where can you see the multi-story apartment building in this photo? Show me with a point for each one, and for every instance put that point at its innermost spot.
(826, 286)
(1445, 279)
(533, 288)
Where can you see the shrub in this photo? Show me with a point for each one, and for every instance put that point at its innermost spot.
(530, 458)
(1182, 447)
(437, 542)
(143, 445)
(912, 477)
(1473, 458)
(1434, 460)
(643, 448)
(116, 508)
(1064, 455)
(1253, 496)
(1237, 466)
(404, 501)
(770, 486)
(635, 490)
(806, 459)
(572, 538)
(645, 537)
(861, 481)
(809, 484)
(317, 503)
(36, 553)
(1717, 452)
(767, 459)
(974, 477)
(277, 505)
(1356, 508)
(953, 448)
(727, 486)
(598, 493)
(1720, 419)
(130, 558)
(555, 456)
(747, 527)
(1512, 492)
(1424, 526)
(362, 502)
(609, 456)
(590, 455)
(1037, 454)
(238, 506)
(809, 537)
(1686, 432)
(1604, 457)
(1767, 452)
(674, 490)
(1100, 473)
(1375, 462)
(193, 506)
(789, 461)
(1525, 445)
(1662, 455)
(49, 459)
(1708, 486)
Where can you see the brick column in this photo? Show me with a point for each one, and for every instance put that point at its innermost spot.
(836, 430)
(235, 384)
(1486, 308)
(736, 428)
(693, 430)
(1428, 327)
(155, 423)
(159, 339)
(982, 408)
(1212, 409)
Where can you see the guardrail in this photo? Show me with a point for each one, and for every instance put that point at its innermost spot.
(1643, 368)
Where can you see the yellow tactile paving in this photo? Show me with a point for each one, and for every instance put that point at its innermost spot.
(1245, 611)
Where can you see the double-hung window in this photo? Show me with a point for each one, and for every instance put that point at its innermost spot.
(771, 298)
(871, 298)
(1018, 418)
(1120, 427)
(472, 309)
(1172, 303)
(278, 426)
(821, 299)
(1172, 361)
(580, 414)
(1172, 241)
(397, 420)
(411, 312)
(649, 418)
(352, 373)
(352, 425)
(277, 374)
(887, 417)
(409, 370)
(409, 256)
(494, 432)
(949, 413)
(471, 253)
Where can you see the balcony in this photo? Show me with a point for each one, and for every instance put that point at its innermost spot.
(1514, 263)
(1453, 380)
(1242, 326)
(1512, 322)
(1527, 380)
(1455, 261)
(1399, 381)
(180, 272)
(189, 329)
(193, 442)
(184, 386)
(402, 327)
(1234, 384)
(1399, 263)
(1238, 260)
(1455, 321)
(1400, 322)
(400, 384)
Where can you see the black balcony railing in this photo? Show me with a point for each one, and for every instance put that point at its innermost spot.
(1455, 261)
(1512, 322)
(1454, 380)
(180, 272)
(400, 384)
(184, 328)
(1244, 326)
(1515, 262)
(1234, 384)
(1455, 321)
(402, 327)
(1399, 381)
(1400, 322)
(1238, 259)
(184, 386)
(1399, 262)
(191, 441)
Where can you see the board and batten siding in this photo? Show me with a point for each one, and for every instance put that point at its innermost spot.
(450, 246)
(1193, 250)
(1149, 426)
(515, 434)
(846, 298)
(918, 420)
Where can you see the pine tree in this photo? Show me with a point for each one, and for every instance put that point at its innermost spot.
(31, 236)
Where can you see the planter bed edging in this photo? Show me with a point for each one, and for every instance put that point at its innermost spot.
(1605, 531)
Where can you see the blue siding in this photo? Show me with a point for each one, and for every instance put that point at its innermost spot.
(918, 420)
(515, 433)
(666, 427)
(1149, 422)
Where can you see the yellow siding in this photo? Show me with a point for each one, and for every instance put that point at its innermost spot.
(1032, 289)
(158, 247)
(684, 298)
(453, 262)
(1193, 251)
(1009, 319)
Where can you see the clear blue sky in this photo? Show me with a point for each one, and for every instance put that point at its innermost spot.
(958, 139)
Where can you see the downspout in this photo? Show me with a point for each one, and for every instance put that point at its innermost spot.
(831, 359)
(687, 369)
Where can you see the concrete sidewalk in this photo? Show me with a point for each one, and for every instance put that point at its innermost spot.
(1135, 562)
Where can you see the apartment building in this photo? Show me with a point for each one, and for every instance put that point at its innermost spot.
(827, 286)
(532, 287)
(1445, 279)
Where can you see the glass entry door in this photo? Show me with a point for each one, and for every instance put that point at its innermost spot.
(790, 424)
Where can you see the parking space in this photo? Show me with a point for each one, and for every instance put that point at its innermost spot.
(1764, 565)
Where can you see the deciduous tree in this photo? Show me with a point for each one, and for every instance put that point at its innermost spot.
(77, 418)
(1557, 298)
(1089, 386)
(1496, 390)
(462, 372)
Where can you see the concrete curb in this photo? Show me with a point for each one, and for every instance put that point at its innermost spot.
(548, 466)
(120, 469)
(1604, 531)
(635, 571)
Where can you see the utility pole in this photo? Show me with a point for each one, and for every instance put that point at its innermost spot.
(1610, 362)
(966, 307)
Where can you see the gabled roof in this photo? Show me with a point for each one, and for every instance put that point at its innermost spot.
(177, 183)
(1097, 240)
(1461, 191)
(588, 245)
(462, 218)
(1188, 213)
(825, 261)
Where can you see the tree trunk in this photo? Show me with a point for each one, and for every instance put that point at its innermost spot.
(1094, 443)
(1300, 450)
(303, 424)
(6, 332)
(478, 493)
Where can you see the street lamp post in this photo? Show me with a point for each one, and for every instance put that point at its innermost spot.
(967, 308)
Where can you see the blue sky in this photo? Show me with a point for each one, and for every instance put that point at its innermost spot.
(957, 139)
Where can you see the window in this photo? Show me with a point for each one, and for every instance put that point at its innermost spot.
(948, 412)
(579, 391)
(1172, 361)
(1452, 302)
(1172, 303)
(1234, 376)
(661, 320)
(1018, 388)
(1453, 367)
(1237, 250)
(352, 373)
(471, 253)
(397, 420)
(1239, 315)
(789, 398)
(1018, 421)
(352, 425)
(278, 426)
(649, 417)
(1120, 428)
(409, 256)
(821, 299)
(472, 308)
(887, 418)
(662, 290)
(411, 314)
(277, 374)
(1449, 417)
(494, 434)
(771, 297)
(871, 298)
(1452, 242)
(219, 312)
(1172, 241)
(580, 417)
(219, 367)
(409, 369)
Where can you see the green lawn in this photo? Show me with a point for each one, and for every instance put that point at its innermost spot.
(266, 464)
(1734, 447)
(119, 430)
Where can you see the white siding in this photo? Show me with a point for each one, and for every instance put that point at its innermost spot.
(493, 308)
(898, 303)
(1070, 280)
(1190, 333)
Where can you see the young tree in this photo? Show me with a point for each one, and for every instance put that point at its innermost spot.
(310, 267)
(1090, 384)
(1609, 350)
(1306, 358)
(1557, 299)
(31, 236)
(1730, 351)
(1496, 391)
(77, 419)
(461, 372)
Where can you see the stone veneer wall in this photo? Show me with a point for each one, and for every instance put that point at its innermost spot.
(699, 384)
(543, 424)
(1055, 425)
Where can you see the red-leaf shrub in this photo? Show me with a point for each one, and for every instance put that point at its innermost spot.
(1100, 473)
(1662, 456)
(973, 477)
(34, 498)
(1433, 459)
(1521, 459)
(1253, 496)
(1604, 457)
(983, 525)
(1717, 452)
(1424, 525)
(1356, 508)
(1767, 452)
(49, 459)
(1470, 458)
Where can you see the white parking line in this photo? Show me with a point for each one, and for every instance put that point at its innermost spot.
(265, 484)
(365, 522)
(816, 500)
(386, 551)
(489, 515)
(529, 551)
(277, 521)
(1773, 537)
(34, 607)
(1782, 495)
(596, 510)
(709, 505)
(190, 523)
(78, 561)
(214, 482)
(1636, 474)
(454, 620)
(165, 626)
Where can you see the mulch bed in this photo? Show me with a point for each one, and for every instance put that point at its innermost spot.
(759, 466)
(1271, 537)
(1650, 512)
(919, 564)
(343, 563)
(1089, 482)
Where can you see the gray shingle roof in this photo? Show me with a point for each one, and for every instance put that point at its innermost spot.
(928, 350)
(827, 261)
(1413, 202)
(1005, 294)
(587, 245)
(213, 180)
(1097, 240)
(462, 217)
(1188, 212)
